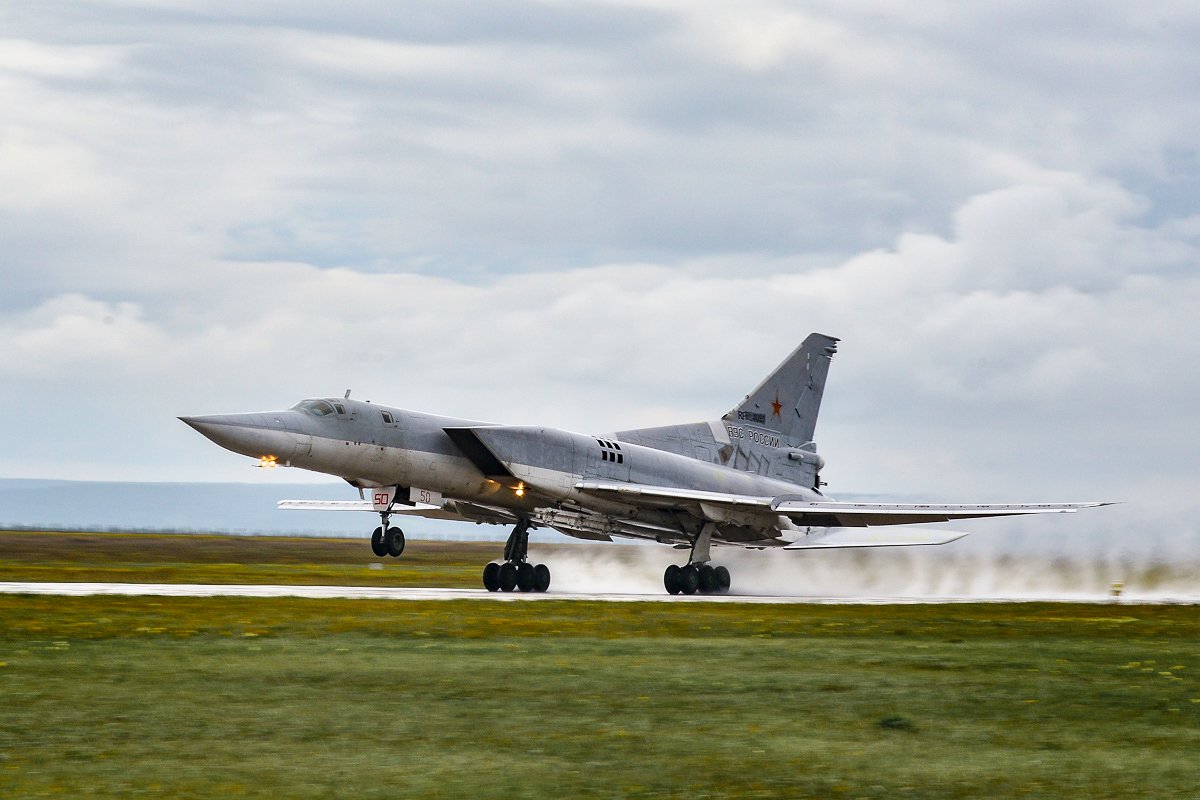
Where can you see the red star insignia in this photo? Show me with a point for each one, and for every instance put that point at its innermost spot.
(776, 406)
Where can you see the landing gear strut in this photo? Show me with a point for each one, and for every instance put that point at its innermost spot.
(385, 540)
(516, 572)
(697, 575)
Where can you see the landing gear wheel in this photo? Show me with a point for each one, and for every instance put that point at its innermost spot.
(689, 579)
(671, 579)
(394, 541)
(708, 579)
(378, 547)
(722, 579)
(491, 576)
(541, 578)
(508, 576)
(525, 576)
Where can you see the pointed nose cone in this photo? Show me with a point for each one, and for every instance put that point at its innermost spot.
(252, 435)
(271, 437)
(217, 427)
(204, 425)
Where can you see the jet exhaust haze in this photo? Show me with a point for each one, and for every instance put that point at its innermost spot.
(907, 574)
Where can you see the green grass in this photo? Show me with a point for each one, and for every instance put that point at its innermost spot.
(191, 558)
(287, 697)
(203, 697)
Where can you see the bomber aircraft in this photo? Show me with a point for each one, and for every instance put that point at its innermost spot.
(749, 479)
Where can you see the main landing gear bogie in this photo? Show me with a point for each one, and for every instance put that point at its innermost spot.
(387, 542)
(510, 576)
(698, 575)
(693, 578)
(515, 572)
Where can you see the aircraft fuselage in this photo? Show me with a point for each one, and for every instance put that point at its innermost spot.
(520, 468)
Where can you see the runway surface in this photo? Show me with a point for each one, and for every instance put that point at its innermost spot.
(408, 593)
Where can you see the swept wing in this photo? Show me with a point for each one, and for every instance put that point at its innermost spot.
(819, 513)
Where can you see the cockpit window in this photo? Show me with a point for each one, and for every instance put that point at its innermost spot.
(318, 408)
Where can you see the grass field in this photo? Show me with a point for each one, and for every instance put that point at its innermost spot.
(208, 697)
(190, 558)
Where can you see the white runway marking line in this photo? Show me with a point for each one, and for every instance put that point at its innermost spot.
(410, 593)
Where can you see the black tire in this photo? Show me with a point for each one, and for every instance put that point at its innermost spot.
(671, 579)
(722, 579)
(377, 545)
(689, 579)
(525, 576)
(541, 578)
(508, 576)
(491, 576)
(394, 541)
(708, 579)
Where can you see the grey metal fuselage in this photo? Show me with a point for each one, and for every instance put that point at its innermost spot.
(495, 473)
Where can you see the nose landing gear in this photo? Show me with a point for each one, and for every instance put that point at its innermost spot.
(516, 572)
(387, 540)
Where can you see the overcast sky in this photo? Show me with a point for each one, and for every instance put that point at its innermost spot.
(609, 215)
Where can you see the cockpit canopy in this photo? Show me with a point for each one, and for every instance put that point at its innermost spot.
(319, 408)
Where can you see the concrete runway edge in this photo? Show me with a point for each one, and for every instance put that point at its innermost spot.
(410, 593)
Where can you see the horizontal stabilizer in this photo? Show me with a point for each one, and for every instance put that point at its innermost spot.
(418, 510)
(839, 538)
(326, 505)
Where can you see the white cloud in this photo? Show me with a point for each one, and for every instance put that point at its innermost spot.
(959, 380)
(606, 217)
(73, 334)
(58, 61)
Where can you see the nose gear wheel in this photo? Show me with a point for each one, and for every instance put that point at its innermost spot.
(394, 539)
(387, 542)
(377, 545)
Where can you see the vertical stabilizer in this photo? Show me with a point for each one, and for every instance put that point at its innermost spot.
(790, 398)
